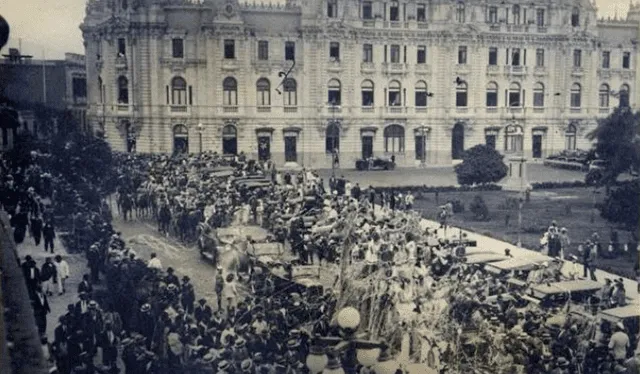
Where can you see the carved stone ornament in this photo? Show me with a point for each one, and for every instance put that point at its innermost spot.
(467, 123)
(229, 10)
(321, 126)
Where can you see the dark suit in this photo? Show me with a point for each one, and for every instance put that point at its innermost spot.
(109, 344)
(32, 277)
(48, 233)
(86, 287)
(40, 311)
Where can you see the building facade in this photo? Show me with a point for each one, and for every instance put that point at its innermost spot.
(55, 84)
(420, 80)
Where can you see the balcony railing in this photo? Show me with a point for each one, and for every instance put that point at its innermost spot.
(515, 70)
(575, 110)
(604, 110)
(396, 109)
(334, 65)
(493, 69)
(334, 109)
(423, 69)
(494, 27)
(230, 109)
(538, 109)
(178, 109)
(368, 109)
(290, 109)
(121, 62)
(420, 109)
(423, 25)
(230, 64)
(542, 29)
(264, 109)
(367, 67)
(368, 23)
(492, 109)
(394, 68)
(540, 70)
(121, 107)
(577, 72)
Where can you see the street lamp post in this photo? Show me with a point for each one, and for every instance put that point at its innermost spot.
(200, 130)
(333, 122)
(324, 353)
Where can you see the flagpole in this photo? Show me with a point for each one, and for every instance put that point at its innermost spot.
(44, 80)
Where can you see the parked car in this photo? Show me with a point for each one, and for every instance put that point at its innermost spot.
(597, 165)
(376, 163)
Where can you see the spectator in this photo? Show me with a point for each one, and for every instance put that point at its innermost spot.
(154, 262)
(62, 274)
(48, 276)
(619, 343)
(49, 234)
(85, 285)
(41, 309)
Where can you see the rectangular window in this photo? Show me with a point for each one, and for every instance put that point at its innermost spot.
(420, 147)
(575, 100)
(395, 54)
(606, 59)
(493, 15)
(540, 57)
(79, 87)
(538, 99)
(492, 99)
(229, 49)
(263, 50)
(367, 98)
(461, 98)
(577, 58)
(493, 56)
(540, 17)
(367, 53)
(626, 60)
(334, 51)
(289, 51)
(394, 12)
(490, 140)
(421, 13)
(421, 99)
(462, 55)
(122, 46)
(515, 57)
(367, 10)
(177, 48)
(332, 8)
(422, 54)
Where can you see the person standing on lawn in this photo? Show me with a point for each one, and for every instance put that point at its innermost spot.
(589, 256)
(565, 242)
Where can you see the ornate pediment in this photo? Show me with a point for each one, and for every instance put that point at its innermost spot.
(321, 126)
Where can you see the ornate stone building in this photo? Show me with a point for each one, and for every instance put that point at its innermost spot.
(422, 80)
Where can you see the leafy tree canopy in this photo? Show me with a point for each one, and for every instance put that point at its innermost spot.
(481, 164)
(618, 143)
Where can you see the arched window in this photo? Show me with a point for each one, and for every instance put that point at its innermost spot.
(334, 92)
(332, 138)
(100, 90)
(576, 96)
(460, 12)
(178, 91)
(229, 140)
(367, 93)
(516, 14)
(123, 90)
(492, 95)
(538, 95)
(603, 94)
(575, 17)
(394, 139)
(515, 99)
(290, 88)
(421, 94)
(570, 138)
(513, 138)
(394, 96)
(230, 91)
(461, 95)
(624, 96)
(263, 88)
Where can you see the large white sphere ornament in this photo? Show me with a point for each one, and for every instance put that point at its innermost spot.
(348, 318)
(368, 357)
(317, 360)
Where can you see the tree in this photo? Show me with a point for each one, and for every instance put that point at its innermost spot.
(479, 208)
(481, 164)
(618, 143)
(622, 205)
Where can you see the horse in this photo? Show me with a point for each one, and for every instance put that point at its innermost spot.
(142, 204)
(164, 218)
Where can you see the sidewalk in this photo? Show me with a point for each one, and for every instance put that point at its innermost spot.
(77, 267)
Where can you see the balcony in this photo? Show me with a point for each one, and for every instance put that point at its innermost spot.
(121, 107)
(334, 109)
(368, 23)
(396, 109)
(422, 25)
(542, 29)
(290, 109)
(230, 64)
(178, 109)
(334, 65)
(263, 109)
(396, 24)
(367, 67)
(575, 110)
(577, 72)
(420, 110)
(368, 109)
(462, 110)
(604, 110)
(422, 69)
(540, 71)
(538, 109)
(493, 69)
(121, 62)
(516, 28)
(515, 70)
(494, 27)
(492, 109)
(230, 109)
(394, 68)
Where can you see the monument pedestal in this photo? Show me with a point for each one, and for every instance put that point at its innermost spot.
(516, 179)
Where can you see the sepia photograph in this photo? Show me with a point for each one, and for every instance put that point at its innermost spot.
(319, 187)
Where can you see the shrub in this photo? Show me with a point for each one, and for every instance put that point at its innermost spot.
(458, 206)
(594, 177)
(622, 205)
(552, 185)
(481, 164)
(479, 208)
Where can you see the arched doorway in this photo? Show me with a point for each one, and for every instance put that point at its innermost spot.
(229, 140)
(180, 139)
(457, 141)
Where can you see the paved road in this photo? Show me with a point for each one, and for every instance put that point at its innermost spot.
(440, 176)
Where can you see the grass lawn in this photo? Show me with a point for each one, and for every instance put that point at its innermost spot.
(571, 208)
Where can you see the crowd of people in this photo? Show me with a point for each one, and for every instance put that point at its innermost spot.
(403, 277)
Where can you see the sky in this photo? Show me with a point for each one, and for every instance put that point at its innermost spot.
(50, 28)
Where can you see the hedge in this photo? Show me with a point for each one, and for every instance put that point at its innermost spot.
(553, 185)
(569, 165)
(433, 189)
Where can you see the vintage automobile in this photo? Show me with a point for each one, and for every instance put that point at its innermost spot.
(516, 264)
(558, 293)
(376, 163)
(211, 242)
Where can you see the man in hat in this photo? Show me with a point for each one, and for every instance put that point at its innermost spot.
(108, 341)
(154, 262)
(187, 295)
(62, 273)
(41, 309)
(93, 257)
(146, 323)
(85, 285)
(48, 276)
(171, 278)
(48, 233)
(619, 343)
(605, 294)
(202, 312)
